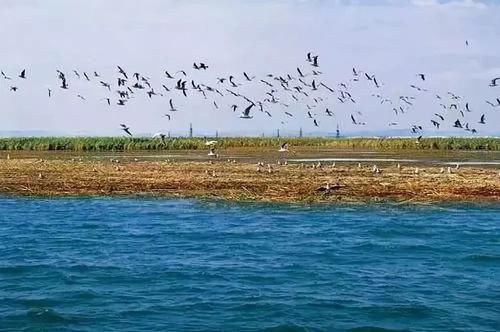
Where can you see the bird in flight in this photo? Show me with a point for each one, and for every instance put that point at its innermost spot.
(422, 76)
(23, 74)
(126, 129)
(494, 82)
(246, 112)
(284, 147)
(172, 108)
(481, 121)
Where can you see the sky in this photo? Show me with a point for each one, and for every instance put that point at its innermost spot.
(394, 40)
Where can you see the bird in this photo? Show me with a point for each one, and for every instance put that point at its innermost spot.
(315, 61)
(172, 108)
(106, 85)
(23, 74)
(246, 113)
(121, 71)
(457, 124)
(248, 77)
(50, 92)
(422, 76)
(435, 124)
(494, 82)
(284, 147)
(5, 76)
(481, 121)
(126, 129)
(14, 88)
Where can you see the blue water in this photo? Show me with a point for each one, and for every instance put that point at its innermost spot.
(100, 264)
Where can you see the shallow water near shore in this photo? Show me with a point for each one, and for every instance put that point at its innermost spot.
(119, 264)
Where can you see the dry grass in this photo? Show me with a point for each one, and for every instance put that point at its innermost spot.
(241, 181)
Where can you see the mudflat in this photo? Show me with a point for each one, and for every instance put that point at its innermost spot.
(290, 179)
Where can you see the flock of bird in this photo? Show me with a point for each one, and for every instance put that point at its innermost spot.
(299, 93)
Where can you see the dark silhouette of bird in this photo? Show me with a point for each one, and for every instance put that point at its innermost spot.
(14, 88)
(172, 108)
(481, 121)
(457, 124)
(315, 61)
(23, 74)
(439, 116)
(5, 76)
(422, 76)
(315, 123)
(246, 113)
(168, 75)
(106, 85)
(248, 77)
(121, 71)
(50, 92)
(494, 82)
(126, 129)
(300, 72)
(435, 124)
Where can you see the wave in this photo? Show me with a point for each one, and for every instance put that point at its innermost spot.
(482, 258)
(374, 329)
(289, 328)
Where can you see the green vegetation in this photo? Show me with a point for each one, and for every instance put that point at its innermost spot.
(91, 144)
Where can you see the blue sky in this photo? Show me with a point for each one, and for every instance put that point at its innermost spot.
(393, 40)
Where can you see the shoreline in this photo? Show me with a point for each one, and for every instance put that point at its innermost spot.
(240, 181)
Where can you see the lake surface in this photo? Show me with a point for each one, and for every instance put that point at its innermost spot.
(116, 264)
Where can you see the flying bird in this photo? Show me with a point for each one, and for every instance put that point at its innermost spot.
(23, 74)
(126, 129)
(246, 113)
(481, 121)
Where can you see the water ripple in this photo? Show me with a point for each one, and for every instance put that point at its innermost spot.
(119, 264)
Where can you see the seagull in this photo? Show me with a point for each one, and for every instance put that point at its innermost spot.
(247, 77)
(13, 88)
(315, 61)
(23, 74)
(106, 85)
(300, 73)
(284, 147)
(482, 119)
(492, 84)
(435, 124)
(50, 92)
(121, 71)
(172, 108)
(467, 107)
(246, 113)
(126, 129)
(457, 124)
(422, 76)
(5, 76)
(168, 75)
(439, 116)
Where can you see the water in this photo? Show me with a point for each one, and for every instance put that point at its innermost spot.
(99, 264)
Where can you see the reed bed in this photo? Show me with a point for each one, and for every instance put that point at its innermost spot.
(103, 144)
(241, 181)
